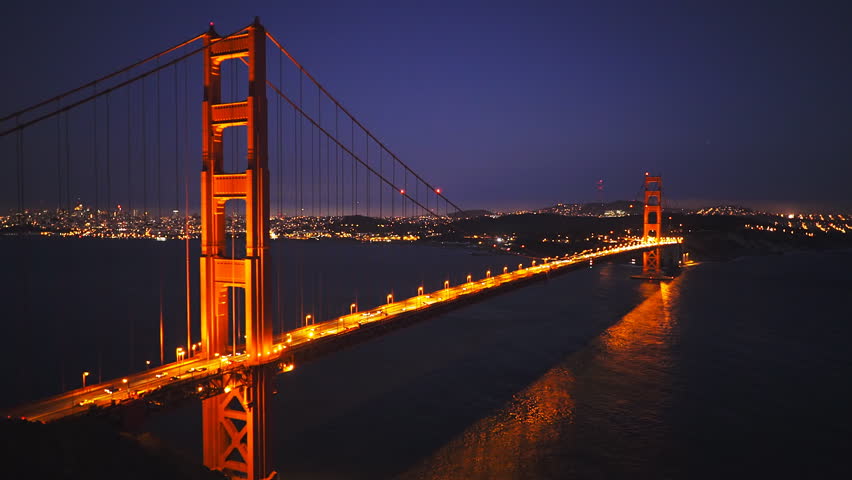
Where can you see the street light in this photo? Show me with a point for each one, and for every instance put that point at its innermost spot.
(147, 364)
(447, 289)
(390, 298)
(308, 319)
(85, 374)
(468, 278)
(520, 266)
(419, 296)
(126, 386)
(353, 308)
(505, 269)
(179, 353)
(488, 274)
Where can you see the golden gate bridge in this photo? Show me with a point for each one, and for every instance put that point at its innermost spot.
(239, 351)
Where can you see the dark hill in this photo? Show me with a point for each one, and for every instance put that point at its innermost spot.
(546, 223)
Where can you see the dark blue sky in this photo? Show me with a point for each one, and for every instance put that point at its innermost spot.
(523, 104)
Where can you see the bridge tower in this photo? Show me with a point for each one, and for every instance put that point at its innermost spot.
(234, 422)
(652, 225)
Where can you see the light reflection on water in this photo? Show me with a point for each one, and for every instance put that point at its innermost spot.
(530, 435)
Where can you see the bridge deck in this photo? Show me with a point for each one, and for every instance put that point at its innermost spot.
(193, 374)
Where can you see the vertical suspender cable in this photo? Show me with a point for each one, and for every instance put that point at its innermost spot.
(336, 166)
(58, 158)
(280, 140)
(186, 199)
(177, 152)
(327, 177)
(108, 173)
(159, 180)
(67, 164)
(278, 307)
(393, 197)
(129, 159)
(19, 171)
(313, 164)
(95, 149)
(317, 181)
(301, 153)
(177, 203)
(295, 162)
(367, 173)
(144, 156)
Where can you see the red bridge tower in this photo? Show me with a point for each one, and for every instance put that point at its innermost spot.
(234, 422)
(652, 216)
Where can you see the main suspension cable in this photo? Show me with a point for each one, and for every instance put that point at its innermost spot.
(352, 117)
(110, 89)
(102, 79)
(348, 150)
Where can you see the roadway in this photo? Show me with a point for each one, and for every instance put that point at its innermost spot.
(139, 384)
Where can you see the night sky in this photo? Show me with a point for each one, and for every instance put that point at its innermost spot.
(524, 104)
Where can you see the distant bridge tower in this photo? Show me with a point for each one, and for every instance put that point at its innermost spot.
(652, 225)
(234, 422)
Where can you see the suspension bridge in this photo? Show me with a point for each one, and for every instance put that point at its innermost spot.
(122, 143)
